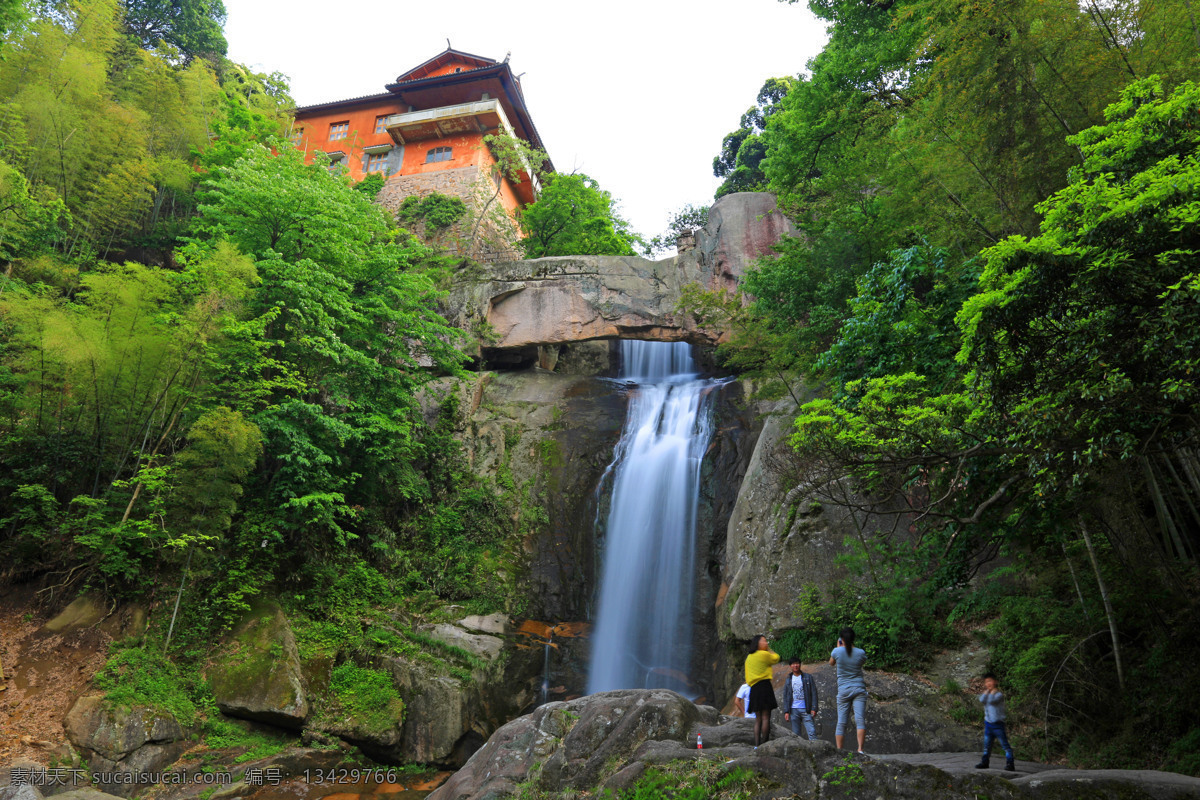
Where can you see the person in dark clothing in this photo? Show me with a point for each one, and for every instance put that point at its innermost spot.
(800, 700)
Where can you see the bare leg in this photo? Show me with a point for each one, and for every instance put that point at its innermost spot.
(840, 740)
(862, 737)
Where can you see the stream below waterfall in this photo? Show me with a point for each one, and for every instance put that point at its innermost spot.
(643, 624)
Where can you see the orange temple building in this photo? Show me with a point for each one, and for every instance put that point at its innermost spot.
(425, 134)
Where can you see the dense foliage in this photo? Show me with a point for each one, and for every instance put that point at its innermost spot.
(573, 216)
(995, 299)
(213, 355)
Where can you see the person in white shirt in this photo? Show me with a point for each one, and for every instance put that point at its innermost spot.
(740, 700)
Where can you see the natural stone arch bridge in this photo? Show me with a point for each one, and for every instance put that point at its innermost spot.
(569, 299)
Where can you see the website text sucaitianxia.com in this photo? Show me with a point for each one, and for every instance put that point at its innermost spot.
(65, 776)
(252, 776)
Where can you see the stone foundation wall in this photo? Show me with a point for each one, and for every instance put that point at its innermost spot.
(494, 239)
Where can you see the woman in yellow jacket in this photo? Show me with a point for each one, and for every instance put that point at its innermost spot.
(762, 694)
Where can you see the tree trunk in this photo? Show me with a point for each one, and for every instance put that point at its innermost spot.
(1108, 611)
(1075, 580)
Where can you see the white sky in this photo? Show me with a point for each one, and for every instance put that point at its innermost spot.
(637, 95)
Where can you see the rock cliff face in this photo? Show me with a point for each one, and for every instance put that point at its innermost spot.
(553, 436)
(741, 227)
(784, 536)
(558, 300)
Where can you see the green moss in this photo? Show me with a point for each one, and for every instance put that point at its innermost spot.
(551, 453)
(697, 780)
(847, 774)
(224, 734)
(366, 695)
(254, 653)
(145, 677)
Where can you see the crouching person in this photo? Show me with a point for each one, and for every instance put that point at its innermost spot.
(800, 700)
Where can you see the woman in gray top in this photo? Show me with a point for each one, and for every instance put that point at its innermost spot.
(852, 690)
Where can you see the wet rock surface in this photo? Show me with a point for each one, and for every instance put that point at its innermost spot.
(736, 430)
(611, 739)
(553, 435)
(574, 742)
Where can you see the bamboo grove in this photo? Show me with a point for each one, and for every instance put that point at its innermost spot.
(210, 351)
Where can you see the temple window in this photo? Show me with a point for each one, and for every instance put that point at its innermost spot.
(377, 162)
(438, 154)
(381, 124)
(338, 130)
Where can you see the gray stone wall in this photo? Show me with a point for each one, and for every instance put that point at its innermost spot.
(493, 239)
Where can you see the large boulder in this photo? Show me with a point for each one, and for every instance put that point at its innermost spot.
(441, 711)
(119, 739)
(565, 299)
(445, 706)
(257, 674)
(480, 645)
(83, 612)
(573, 744)
(610, 740)
(741, 228)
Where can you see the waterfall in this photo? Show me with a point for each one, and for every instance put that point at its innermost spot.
(545, 693)
(643, 629)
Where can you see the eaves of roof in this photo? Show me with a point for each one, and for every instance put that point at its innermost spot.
(502, 71)
(366, 98)
(448, 77)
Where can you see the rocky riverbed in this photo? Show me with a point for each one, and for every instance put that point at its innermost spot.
(612, 741)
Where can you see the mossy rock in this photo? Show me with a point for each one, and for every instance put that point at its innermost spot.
(364, 707)
(257, 674)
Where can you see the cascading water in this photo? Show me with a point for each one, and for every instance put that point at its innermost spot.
(643, 632)
(545, 693)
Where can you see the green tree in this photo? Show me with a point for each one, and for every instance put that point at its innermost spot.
(573, 216)
(1090, 329)
(28, 220)
(742, 152)
(902, 320)
(352, 335)
(193, 27)
(12, 12)
(688, 219)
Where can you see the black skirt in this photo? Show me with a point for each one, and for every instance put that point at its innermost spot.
(762, 697)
